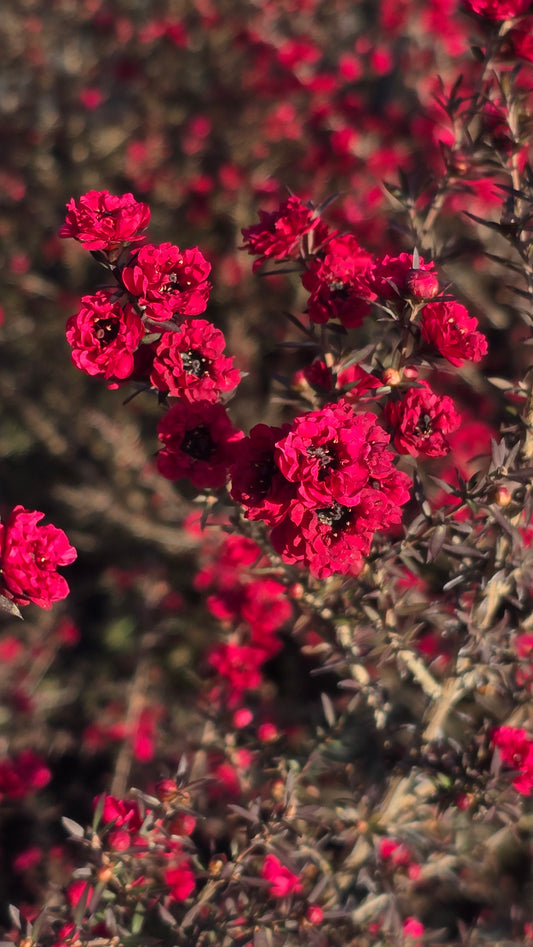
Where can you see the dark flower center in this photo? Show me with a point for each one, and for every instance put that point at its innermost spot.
(198, 443)
(339, 290)
(264, 470)
(171, 283)
(336, 516)
(424, 425)
(106, 331)
(325, 456)
(194, 363)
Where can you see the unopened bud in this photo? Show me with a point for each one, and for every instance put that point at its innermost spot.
(105, 874)
(422, 284)
(277, 790)
(410, 372)
(501, 496)
(216, 866)
(392, 377)
(314, 914)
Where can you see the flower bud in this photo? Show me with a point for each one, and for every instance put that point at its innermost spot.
(392, 377)
(501, 496)
(422, 284)
(410, 372)
(314, 914)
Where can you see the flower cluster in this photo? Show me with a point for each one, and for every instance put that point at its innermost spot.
(326, 486)
(117, 334)
(30, 554)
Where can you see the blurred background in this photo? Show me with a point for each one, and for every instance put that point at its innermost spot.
(206, 110)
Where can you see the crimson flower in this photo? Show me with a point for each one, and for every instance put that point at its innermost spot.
(421, 420)
(199, 444)
(239, 665)
(339, 283)
(516, 750)
(189, 364)
(498, 9)
(282, 880)
(393, 276)
(104, 335)
(29, 557)
(332, 454)
(449, 329)
(335, 538)
(278, 235)
(180, 879)
(22, 774)
(102, 221)
(257, 483)
(168, 281)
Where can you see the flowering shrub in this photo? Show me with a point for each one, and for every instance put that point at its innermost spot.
(296, 705)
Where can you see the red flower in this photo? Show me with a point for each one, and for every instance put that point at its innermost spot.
(23, 774)
(394, 276)
(181, 881)
(448, 328)
(516, 750)
(256, 481)
(278, 235)
(420, 420)
(168, 281)
(332, 455)
(282, 880)
(104, 335)
(29, 557)
(335, 538)
(102, 221)
(498, 9)
(121, 813)
(239, 665)
(339, 284)
(199, 444)
(189, 364)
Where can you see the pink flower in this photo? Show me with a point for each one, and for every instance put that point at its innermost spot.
(189, 364)
(29, 557)
(448, 328)
(282, 880)
(420, 421)
(104, 335)
(413, 929)
(168, 281)
(199, 444)
(279, 235)
(102, 221)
